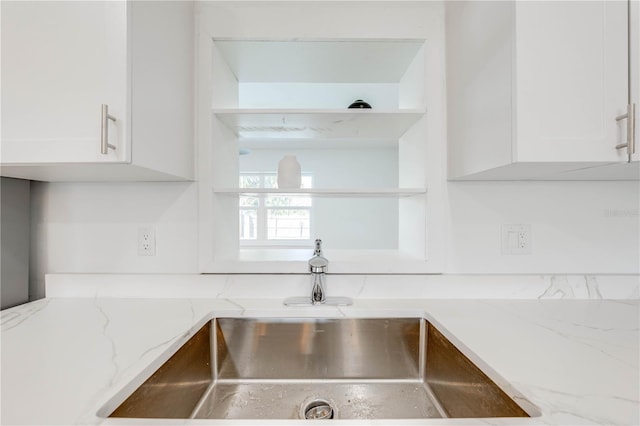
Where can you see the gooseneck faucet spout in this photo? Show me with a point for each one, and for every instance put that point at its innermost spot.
(318, 265)
(317, 289)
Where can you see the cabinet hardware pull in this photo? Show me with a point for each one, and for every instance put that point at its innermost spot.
(631, 130)
(104, 134)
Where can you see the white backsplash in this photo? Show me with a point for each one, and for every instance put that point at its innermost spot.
(582, 228)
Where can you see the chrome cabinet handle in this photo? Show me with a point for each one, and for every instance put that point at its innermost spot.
(104, 134)
(630, 116)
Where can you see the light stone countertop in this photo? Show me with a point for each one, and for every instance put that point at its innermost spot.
(64, 358)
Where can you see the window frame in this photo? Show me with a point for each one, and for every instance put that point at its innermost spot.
(262, 216)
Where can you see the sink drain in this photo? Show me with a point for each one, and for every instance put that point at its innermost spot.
(318, 410)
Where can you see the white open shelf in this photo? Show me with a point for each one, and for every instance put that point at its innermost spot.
(290, 97)
(318, 123)
(325, 192)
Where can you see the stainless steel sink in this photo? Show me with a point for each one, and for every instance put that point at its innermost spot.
(237, 368)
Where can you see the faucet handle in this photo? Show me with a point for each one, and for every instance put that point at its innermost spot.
(318, 265)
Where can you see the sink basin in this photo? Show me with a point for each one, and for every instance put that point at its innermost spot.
(380, 368)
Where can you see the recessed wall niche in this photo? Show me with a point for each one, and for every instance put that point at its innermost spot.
(274, 96)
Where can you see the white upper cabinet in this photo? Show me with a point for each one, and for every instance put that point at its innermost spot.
(63, 60)
(534, 89)
(60, 62)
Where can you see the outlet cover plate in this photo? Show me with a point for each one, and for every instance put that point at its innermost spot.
(516, 239)
(146, 241)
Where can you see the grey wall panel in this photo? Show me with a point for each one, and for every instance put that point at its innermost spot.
(14, 236)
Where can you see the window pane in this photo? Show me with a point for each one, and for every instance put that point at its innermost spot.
(306, 182)
(248, 224)
(270, 181)
(249, 181)
(248, 201)
(285, 216)
(287, 201)
(288, 224)
(301, 201)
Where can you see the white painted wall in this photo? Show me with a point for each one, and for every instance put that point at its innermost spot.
(577, 227)
(93, 227)
(316, 96)
(586, 227)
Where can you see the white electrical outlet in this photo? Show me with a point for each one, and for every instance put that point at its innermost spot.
(146, 241)
(516, 239)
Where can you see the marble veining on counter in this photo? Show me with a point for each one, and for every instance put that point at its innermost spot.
(577, 359)
(355, 286)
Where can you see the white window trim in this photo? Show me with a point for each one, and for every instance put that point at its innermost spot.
(262, 218)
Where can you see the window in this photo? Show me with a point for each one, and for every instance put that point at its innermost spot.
(274, 219)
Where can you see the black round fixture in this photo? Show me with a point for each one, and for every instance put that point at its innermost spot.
(359, 103)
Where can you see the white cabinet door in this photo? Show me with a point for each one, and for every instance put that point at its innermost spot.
(60, 62)
(534, 89)
(571, 80)
(634, 68)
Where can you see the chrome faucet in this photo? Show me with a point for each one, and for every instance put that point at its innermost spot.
(318, 265)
